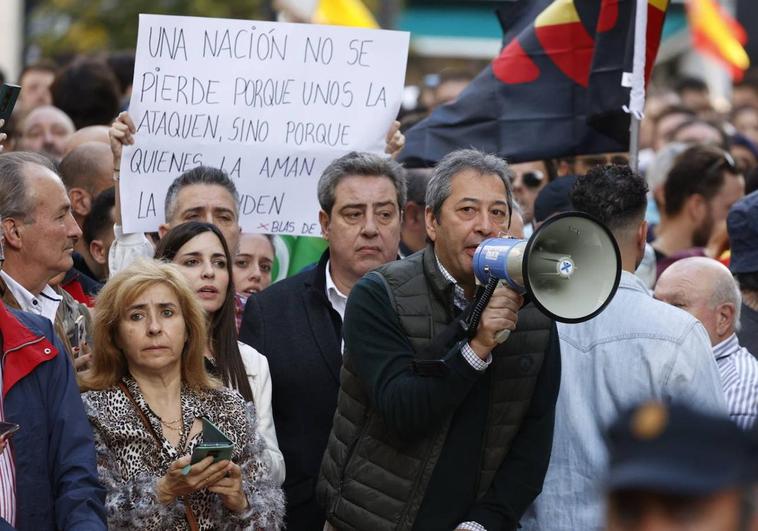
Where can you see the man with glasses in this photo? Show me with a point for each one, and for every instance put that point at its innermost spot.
(528, 179)
(700, 188)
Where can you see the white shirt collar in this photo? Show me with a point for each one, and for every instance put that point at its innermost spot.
(45, 305)
(337, 299)
(727, 347)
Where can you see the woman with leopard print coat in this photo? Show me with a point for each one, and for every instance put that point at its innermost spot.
(146, 393)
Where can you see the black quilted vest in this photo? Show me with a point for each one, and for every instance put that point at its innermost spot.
(370, 479)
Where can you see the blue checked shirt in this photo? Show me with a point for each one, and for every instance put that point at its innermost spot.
(460, 301)
(739, 376)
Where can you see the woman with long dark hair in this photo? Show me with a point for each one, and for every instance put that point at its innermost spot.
(201, 252)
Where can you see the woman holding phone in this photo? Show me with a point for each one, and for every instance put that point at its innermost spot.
(146, 394)
(201, 253)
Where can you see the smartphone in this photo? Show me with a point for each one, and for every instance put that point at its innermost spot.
(7, 429)
(8, 97)
(215, 444)
(81, 332)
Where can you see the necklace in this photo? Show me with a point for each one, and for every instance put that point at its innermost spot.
(173, 424)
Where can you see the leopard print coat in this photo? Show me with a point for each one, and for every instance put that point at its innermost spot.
(129, 461)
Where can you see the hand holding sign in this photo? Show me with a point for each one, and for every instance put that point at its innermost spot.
(121, 134)
(395, 140)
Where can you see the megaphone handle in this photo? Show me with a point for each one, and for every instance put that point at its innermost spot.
(502, 335)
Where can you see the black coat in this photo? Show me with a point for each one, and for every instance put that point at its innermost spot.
(293, 324)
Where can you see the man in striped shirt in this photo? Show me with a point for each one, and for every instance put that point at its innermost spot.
(7, 470)
(705, 288)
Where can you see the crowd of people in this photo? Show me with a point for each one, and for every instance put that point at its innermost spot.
(353, 394)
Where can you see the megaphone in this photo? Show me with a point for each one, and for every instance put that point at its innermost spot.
(570, 267)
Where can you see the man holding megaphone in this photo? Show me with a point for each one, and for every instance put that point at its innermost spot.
(439, 424)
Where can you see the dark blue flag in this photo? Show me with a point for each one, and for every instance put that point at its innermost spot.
(555, 89)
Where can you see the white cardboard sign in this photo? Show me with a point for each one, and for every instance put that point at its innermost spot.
(270, 103)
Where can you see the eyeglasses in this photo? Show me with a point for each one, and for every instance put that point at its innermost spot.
(532, 179)
(726, 162)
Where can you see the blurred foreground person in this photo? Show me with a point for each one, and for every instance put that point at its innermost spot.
(147, 392)
(676, 469)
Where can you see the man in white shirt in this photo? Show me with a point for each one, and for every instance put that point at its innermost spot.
(40, 234)
(296, 323)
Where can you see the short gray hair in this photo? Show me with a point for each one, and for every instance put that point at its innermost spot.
(15, 196)
(199, 175)
(726, 290)
(365, 164)
(440, 184)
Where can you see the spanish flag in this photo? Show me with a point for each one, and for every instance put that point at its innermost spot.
(344, 13)
(556, 89)
(717, 34)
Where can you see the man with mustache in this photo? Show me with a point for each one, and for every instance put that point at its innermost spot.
(296, 323)
(433, 430)
(40, 234)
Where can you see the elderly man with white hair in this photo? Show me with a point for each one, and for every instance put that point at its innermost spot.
(705, 288)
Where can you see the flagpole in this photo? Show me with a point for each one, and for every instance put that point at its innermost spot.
(634, 143)
(636, 80)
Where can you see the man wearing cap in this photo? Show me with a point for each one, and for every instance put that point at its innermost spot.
(742, 224)
(553, 199)
(675, 468)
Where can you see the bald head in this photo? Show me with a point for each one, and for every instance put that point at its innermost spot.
(89, 166)
(86, 171)
(92, 133)
(46, 130)
(706, 289)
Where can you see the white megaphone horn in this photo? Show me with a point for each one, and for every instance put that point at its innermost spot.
(570, 267)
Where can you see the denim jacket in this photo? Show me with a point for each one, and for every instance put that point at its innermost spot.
(637, 349)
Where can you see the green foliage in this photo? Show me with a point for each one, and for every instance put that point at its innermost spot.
(63, 27)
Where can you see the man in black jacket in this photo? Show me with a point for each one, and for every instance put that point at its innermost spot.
(442, 434)
(296, 323)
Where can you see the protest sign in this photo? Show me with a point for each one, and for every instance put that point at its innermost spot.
(270, 103)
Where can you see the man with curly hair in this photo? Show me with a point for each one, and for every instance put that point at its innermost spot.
(637, 349)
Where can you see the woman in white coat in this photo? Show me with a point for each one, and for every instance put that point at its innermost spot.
(200, 251)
